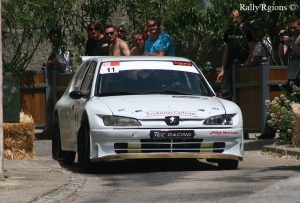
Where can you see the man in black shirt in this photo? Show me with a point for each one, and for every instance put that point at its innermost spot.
(239, 43)
(97, 44)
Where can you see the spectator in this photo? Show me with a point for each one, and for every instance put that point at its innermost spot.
(121, 32)
(159, 43)
(139, 42)
(290, 45)
(97, 44)
(239, 42)
(59, 60)
(263, 48)
(145, 32)
(118, 46)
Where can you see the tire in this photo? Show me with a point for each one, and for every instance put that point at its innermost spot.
(228, 164)
(65, 157)
(83, 148)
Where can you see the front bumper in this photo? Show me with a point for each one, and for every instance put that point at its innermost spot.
(122, 144)
(167, 156)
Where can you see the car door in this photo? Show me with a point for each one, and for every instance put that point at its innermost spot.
(79, 104)
(67, 116)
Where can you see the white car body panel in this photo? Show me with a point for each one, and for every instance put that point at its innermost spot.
(151, 110)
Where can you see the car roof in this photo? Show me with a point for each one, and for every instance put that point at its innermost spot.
(135, 58)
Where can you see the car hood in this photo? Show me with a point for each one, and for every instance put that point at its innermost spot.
(159, 106)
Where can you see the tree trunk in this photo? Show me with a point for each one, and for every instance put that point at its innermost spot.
(1, 106)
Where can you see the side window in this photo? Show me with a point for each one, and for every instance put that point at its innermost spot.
(79, 75)
(88, 78)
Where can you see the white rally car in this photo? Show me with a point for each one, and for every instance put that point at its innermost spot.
(118, 108)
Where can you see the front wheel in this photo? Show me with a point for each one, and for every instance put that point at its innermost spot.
(65, 157)
(228, 164)
(83, 147)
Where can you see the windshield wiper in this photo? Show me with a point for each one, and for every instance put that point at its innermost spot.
(116, 93)
(168, 92)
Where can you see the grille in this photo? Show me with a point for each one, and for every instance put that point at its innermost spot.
(170, 145)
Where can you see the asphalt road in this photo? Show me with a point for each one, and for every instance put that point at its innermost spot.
(182, 180)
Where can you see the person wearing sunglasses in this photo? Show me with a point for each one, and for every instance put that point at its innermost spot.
(97, 44)
(290, 46)
(118, 47)
(159, 43)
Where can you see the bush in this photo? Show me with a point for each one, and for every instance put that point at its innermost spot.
(281, 115)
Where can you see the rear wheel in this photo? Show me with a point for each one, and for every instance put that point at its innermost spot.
(83, 147)
(228, 164)
(65, 157)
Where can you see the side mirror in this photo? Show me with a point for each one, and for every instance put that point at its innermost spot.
(77, 95)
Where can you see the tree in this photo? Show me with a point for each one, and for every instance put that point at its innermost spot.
(26, 25)
(198, 30)
(1, 98)
(195, 29)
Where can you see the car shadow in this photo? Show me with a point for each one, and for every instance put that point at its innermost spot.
(145, 166)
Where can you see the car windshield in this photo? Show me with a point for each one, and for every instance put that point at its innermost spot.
(152, 81)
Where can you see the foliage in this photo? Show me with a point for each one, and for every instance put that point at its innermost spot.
(281, 116)
(26, 24)
(180, 19)
(86, 11)
(196, 29)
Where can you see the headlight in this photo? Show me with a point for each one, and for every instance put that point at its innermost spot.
(224, 119)
(120, 121)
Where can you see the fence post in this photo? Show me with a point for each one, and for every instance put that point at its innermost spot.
(265, 92)
(235, 66)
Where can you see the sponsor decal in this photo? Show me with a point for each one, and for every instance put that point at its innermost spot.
(115, 63)
(216, 132)
(171, 134)
(106, 67)
(182, 63)
(112, 63)
(171, 113)
(106, 64)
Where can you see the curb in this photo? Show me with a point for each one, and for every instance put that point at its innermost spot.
(283, 150)
(63, 191)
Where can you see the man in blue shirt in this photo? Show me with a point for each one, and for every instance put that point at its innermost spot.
(159, 43)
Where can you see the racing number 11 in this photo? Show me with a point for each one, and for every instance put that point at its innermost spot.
(111, 70)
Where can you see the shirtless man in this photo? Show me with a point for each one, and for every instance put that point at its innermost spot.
(138, 49)
(118, 47)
